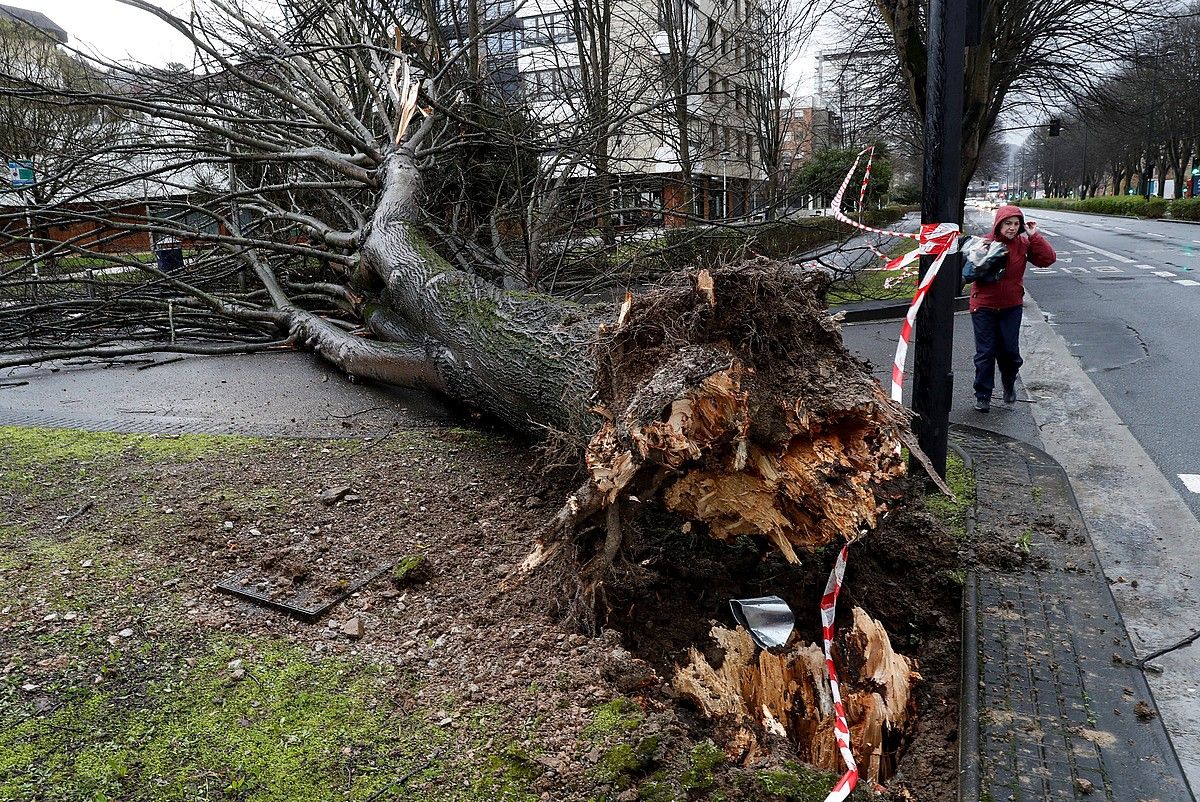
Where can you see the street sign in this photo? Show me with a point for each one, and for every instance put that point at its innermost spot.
(20, 173)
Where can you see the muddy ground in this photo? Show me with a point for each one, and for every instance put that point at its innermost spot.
(126, 675)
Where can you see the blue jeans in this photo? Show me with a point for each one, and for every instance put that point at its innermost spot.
(996, 333)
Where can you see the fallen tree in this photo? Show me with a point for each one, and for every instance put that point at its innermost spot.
(725, 396)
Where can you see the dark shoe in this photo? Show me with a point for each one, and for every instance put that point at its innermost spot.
(983, 404)
(1010, 395)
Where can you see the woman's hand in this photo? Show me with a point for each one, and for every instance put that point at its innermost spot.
(1031, 227)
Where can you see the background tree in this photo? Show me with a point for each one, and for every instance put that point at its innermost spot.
(1032, 52)
(821, 176)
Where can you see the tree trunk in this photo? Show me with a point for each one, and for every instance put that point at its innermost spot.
(729, 397)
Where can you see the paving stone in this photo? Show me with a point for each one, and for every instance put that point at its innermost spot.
(1045, 640)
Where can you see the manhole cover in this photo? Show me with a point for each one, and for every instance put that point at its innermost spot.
(303, 603)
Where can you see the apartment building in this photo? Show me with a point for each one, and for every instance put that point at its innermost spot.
(810, 125)
(859, 86)
(669, 80)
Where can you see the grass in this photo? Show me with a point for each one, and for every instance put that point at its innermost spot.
(954, 511)
(293, 728)
(868, 285)
(797, 782)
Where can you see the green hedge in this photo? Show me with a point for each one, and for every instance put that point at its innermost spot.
(1127, 205)
(1186, 209)
(777, 239)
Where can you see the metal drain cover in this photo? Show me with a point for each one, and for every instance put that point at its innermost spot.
(302, 603)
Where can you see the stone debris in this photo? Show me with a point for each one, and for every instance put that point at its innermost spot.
(354, 628)
(332, 495)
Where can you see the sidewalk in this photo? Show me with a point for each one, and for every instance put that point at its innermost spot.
(1051, 709)
(1060, 715)
(274, 394)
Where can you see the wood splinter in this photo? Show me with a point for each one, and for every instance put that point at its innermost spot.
(761, 694)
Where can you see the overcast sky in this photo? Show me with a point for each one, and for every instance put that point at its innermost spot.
(115, 30)
(119, 32)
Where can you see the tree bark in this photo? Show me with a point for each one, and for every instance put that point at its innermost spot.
(728, 396)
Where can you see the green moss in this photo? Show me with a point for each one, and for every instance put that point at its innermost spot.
(406, 567)
(618, 716)
(802, 783)
(295, 728)
(510, 772)
(624, 763)
(954, 511)
(702, 763)
(657, 790)
(31, 447)
(281, 736)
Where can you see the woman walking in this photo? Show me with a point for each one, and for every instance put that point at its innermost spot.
(996, 305)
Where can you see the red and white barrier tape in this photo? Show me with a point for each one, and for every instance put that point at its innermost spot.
(937, 239)
(835, 206)
(841, 730)
(862, 193)
(934, 239)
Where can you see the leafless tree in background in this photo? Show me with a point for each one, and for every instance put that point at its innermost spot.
(1035, 55)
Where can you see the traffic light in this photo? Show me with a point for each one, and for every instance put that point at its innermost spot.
(1055, 127)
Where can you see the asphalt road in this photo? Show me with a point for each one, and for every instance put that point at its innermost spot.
(1125, 295)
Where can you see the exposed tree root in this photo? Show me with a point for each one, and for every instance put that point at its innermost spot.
(759, 694)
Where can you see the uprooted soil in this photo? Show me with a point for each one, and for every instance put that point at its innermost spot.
(455, 688)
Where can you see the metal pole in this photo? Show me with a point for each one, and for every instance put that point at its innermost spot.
(1149, 171)
(1084, 178)
(933, 376)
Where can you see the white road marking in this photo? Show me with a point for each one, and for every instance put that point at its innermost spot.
(1049, 233)
(1152, 234)
(1041, 271)
(1107, 269)
(1092, 259)
(1164, 273)
(1103, 252)
(1191, 481)
(1075, 270)
(1119, 228)
(1145, 267)
(1187, 282)
(1197, 241)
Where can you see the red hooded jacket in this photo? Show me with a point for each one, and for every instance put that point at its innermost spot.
(1009, 291)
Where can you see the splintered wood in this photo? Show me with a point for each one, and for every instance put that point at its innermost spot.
(790, 442)
(817, 488)
(759, 694)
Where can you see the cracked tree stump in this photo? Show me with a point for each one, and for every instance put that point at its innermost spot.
(758, 694)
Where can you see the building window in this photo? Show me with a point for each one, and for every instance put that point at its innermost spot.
(502, 42)
(551, 84)
(548, 29)
(495, 9)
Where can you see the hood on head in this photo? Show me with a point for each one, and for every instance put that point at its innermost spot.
(1003, 213)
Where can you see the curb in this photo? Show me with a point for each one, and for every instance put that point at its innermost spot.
(969, 779)
(870, 311)
(971, 714)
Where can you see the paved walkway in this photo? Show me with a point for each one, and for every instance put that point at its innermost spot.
(1061, 712)
(282, 394)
